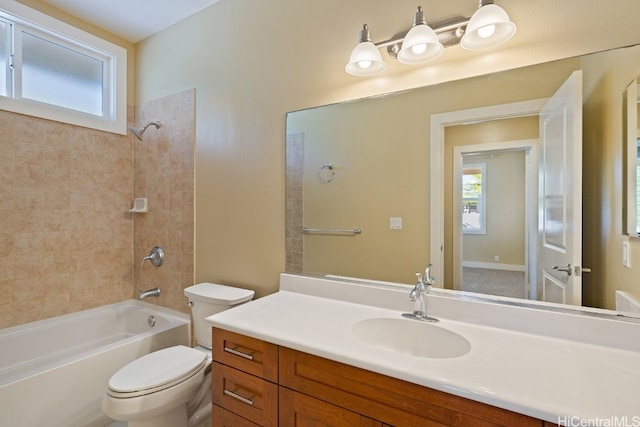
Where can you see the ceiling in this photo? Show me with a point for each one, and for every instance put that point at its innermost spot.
(133, 20)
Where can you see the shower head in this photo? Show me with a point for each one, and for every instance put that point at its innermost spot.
(138, 131)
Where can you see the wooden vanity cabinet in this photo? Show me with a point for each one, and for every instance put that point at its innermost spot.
(291, 388)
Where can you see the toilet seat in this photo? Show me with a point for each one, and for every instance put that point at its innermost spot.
(157, 371)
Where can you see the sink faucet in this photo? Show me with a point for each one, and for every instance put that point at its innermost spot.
(423, 286)
(154, 292)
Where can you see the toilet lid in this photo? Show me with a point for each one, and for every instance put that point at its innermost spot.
(158, 369)
(218, 294)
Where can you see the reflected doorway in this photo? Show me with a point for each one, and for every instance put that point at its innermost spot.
(494, 201)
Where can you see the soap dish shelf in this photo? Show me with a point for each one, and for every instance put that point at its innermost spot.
(139, 205)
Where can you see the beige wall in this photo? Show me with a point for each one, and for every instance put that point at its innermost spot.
(247, 61)
(378, 162)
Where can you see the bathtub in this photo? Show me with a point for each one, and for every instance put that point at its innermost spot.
(54, 372)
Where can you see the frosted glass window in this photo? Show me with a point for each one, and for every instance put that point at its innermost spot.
(55, 74)
(52, 70)
(4, 57)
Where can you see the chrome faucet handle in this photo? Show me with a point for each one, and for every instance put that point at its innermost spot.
(156, 257)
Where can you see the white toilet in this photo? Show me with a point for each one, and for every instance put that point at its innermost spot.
(172, 387)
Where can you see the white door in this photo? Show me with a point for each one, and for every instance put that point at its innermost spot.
(561, 194)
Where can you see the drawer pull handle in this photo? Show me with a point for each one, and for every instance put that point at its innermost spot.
(238, 397)
(238, 353)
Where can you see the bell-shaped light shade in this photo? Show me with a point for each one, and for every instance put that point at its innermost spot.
(365, 60)
(488, 27)
(420, 45)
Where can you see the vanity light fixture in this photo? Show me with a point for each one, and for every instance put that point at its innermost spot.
(488, 27)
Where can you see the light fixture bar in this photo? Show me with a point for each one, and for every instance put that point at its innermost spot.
(488, 27)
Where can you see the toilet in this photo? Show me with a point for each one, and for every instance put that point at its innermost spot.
(172, 387)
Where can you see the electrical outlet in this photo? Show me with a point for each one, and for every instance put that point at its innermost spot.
(395, 223)
(496, 258)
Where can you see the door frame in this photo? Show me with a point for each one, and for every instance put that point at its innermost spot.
(436, 165)
(530, 147)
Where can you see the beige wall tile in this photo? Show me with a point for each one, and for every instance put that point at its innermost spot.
(63, 223)
(67, 242)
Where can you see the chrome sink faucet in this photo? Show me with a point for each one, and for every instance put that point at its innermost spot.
(423, 286)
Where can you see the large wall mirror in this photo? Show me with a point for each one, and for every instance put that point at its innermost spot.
(360, 179)
(632, 160)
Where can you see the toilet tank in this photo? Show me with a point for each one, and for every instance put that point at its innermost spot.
(206, 299)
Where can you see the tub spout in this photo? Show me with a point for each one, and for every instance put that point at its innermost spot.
(154, 292)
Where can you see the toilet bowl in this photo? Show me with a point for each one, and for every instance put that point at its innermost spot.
(172, 387)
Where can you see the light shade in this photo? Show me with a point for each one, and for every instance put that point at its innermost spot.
(488, 27)
(365, 58)
(421, 43)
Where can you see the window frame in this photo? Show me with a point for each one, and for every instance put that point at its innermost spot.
(114, 57)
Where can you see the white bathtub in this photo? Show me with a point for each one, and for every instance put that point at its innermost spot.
(54, 372)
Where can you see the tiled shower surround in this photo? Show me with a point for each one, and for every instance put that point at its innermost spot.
(164, 174)
(67, 242)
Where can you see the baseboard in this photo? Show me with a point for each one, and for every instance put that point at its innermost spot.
(493, 266)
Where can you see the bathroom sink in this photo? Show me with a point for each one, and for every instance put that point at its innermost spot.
(412, 337)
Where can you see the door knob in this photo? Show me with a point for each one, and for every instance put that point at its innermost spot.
(577, 270)
(566, 269)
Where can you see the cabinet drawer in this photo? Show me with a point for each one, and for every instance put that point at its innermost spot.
(392, 401)
(222, 418)
(246, 395)
(250, 355)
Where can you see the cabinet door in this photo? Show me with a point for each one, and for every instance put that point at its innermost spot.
(299, 410)
(223, 418)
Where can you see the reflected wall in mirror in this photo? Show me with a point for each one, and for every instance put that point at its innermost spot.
(379, 149)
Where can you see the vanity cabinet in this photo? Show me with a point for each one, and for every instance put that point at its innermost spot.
(290, 388)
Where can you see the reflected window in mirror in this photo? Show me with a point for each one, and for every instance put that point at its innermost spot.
(474, 199)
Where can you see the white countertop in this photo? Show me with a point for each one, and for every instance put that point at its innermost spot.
(592, 376)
